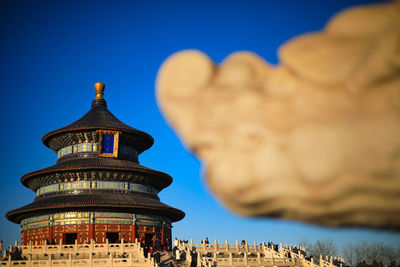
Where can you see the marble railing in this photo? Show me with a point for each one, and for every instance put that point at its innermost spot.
(77, 255)
(90, 262)
(253, 255)
(90, 248)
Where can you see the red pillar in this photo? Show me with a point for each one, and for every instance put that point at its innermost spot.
(51, 233)
(91, 232)
(133, 233)
(91, 226)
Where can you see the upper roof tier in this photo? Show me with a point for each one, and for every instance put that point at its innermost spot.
(98, 118)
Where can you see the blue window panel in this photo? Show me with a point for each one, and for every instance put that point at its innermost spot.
(108, 143)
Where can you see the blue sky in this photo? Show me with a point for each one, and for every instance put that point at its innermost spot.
(51, 54)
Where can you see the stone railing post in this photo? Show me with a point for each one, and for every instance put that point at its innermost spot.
(204, 245)
(226, 245)
(230, 259)
(255, 246)
(272, 258)
(189, 256)
(245, 257)
(258, 258)
(111, 259)
(198, 260)
(91, 259)
(130, 257)
(215, 245)
(76, 246)
(246, 246)
(191, 244)
(237, 245)
(122, 245)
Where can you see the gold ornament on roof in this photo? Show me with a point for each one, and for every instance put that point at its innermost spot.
(99, 87)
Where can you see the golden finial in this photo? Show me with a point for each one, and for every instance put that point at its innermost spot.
(99, 87)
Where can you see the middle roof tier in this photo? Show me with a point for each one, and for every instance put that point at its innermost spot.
(96, 169)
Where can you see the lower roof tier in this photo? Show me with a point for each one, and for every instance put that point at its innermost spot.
(89, 169)
(134, 203)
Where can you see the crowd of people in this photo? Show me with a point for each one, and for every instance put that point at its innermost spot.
(154, 246)
(157, 247)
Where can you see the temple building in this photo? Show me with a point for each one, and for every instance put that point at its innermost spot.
(97, 189)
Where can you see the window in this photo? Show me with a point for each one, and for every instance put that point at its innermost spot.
(108, 143)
